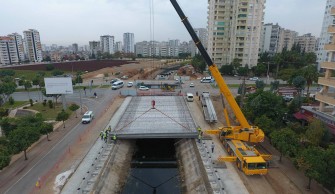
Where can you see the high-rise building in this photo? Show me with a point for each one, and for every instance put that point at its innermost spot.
(307, 42)
(270, 37)
(33, 44)
(107, 44)
(8, 51)
(75, 48)
(118, 46)
(94, 47)
(128, 43)
(327, 93)
(325, 37)
(202, 34)
(234, 29)
(286, 39)
(19, 45)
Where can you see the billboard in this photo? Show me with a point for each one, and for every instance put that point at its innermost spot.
(58, 85)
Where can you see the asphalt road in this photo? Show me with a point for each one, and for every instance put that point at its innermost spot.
(23, 178)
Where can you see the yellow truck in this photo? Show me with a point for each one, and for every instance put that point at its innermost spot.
(234, 138)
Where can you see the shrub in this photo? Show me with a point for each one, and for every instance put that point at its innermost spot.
(51, 105)
(44, 102)
(31, 102)
(11, 100)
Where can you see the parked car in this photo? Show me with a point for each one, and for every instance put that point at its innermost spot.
(143, 88)
(114, 80)
(124, 77)
(191, 84)
(253, 78)
(130, 84)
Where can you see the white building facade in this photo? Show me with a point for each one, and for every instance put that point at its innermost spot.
(234, 29)
(19, 46)
(8, 51)
(270, 37)
(128, 43)
(107, 44)
(33, 45)
(325, 37)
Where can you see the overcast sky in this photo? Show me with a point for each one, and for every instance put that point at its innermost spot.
(64, 22)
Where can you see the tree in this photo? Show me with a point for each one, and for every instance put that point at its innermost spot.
(328, 176)
(266, 124)
(74, 107)
(316, 130)
(49, 67)
(199, 63)
(264, 103)
(4, 154)
(311, 74)
(274, 86)
(6, 89)
(260, 84)
(21, 138)
(286, 141)
(45, 129)
(27, 85)
(227, 69)
(62, 116)
(8, 125)
(57, 72)
(242, 71)
(311, 162)
(299, 82)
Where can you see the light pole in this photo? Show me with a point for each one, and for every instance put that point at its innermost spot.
(267, 73)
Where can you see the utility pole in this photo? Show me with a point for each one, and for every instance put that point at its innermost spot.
(81, 105)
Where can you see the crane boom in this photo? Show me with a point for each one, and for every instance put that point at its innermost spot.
(212, 68)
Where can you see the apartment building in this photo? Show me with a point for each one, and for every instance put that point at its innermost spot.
(118, 46)
(33, 45)
(75, 48)
(286, 39)
(325, 37)
(270, 37)
(326, 96)
(19, 46)
(202, 34)
(234, 29)
(128, 43)
(147, 49)
(94, 47)
(171, 48)
(107, 44)
(8, 51)
(307, 42)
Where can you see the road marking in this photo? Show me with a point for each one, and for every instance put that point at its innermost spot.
(41, 159)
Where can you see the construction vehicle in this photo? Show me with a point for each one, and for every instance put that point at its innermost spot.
(234, 138)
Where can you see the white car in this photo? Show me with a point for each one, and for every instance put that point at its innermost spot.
(191, 84)
(130, 84)
(253, 78)
(143, 88)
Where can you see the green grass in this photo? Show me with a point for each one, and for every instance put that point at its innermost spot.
(48, 114)
(29, 74)
(105, 86)
(15, 105)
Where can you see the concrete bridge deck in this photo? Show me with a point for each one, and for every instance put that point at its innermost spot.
(170, 118)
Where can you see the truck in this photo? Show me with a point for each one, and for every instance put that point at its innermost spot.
(235, 138)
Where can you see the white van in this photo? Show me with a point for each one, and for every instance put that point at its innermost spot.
(207, 80)
(117, 85)
(87, 117)
(189, 97)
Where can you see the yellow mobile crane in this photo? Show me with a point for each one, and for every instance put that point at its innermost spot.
(234, 138)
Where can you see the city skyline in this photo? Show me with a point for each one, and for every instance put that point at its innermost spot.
(63, 23)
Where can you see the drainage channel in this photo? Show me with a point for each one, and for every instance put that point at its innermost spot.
(153, 168)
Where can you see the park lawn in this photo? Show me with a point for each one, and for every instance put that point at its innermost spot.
(105, 86)
(29, 74)
(15, 105)
(48, 114)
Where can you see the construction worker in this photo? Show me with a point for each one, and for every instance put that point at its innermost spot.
(199, 137)
(114, 138)
(102, 135)
(199, 129)
(105, 136)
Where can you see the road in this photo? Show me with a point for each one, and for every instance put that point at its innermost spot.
(21, 176)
